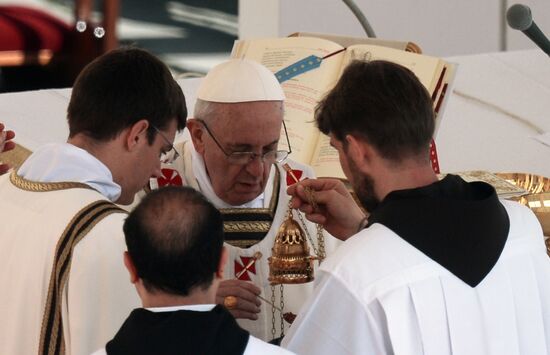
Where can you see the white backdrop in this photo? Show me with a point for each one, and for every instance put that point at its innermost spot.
(496, 136)
(441, 28)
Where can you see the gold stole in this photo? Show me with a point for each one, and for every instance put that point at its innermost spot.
(51, 335)
(245, 227)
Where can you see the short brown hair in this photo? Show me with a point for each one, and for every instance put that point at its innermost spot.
(120, 88)
(385, 104)
(175, 239)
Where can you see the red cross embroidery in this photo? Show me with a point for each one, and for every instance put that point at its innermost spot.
(433, 157)
(239, 266)
(170, 177)
(290, 180)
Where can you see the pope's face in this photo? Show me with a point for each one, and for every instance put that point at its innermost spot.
(240, 127)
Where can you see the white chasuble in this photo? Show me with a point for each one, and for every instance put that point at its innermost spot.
(263, 223)
(94, 292)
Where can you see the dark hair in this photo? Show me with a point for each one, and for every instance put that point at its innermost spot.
(383, 103)
(120, 88)
(175, 238)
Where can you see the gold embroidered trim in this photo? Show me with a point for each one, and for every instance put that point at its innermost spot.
(272, 203)
(36, 186)
(246, 226)
(51, 334)
(265, 211)
(243, 244)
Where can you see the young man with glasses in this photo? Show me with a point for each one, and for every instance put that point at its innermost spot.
(234, 158)
(64, 289)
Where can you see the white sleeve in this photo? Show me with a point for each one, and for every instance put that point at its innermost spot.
(99, 293)
(334, 321)
(256, 346)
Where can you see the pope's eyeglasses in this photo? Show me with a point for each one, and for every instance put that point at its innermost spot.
(243, 158)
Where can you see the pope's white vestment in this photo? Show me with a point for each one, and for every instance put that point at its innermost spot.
(191, 168)
(379, 295)
(37, 206)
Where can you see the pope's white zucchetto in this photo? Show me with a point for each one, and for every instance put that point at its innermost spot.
(240, 80)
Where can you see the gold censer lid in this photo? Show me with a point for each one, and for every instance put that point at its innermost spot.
(290, 261)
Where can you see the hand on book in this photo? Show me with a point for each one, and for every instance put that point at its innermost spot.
(336, 209)
(246, 294)
(5, 145)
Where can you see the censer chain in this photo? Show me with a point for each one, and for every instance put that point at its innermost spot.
(319, 250)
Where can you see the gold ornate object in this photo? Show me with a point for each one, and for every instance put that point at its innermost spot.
(537, 199)
(290, 262)
(230, 302)
(533, 184)
(247, 226)
(35, 186)
(320, 250)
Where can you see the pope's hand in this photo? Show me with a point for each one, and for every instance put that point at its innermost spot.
(5, 145)
(336, 209)
(247, 303)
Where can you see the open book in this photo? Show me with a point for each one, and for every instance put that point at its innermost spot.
(309, 67)
(504, 188)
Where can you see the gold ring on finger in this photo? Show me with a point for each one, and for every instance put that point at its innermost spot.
(230, 302)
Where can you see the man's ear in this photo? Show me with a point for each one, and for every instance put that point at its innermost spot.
(360, 151)
(136, 134)
(221, 265)
(128, 262)
(197, 132)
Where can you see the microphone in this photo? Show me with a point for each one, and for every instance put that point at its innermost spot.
(519, 18)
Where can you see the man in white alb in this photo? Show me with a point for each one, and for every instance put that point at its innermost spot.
(64, 289)
(442, 267)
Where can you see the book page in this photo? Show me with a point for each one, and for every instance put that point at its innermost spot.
(426, 68)
(347, 41)
(503, 188)
(444, 94)
(303, 91)
(325, 161)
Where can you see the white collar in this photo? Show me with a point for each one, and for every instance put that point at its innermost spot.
(206, 188)
(190, 307)
(58, 162)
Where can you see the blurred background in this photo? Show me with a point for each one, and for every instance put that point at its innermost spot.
(41, 48)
